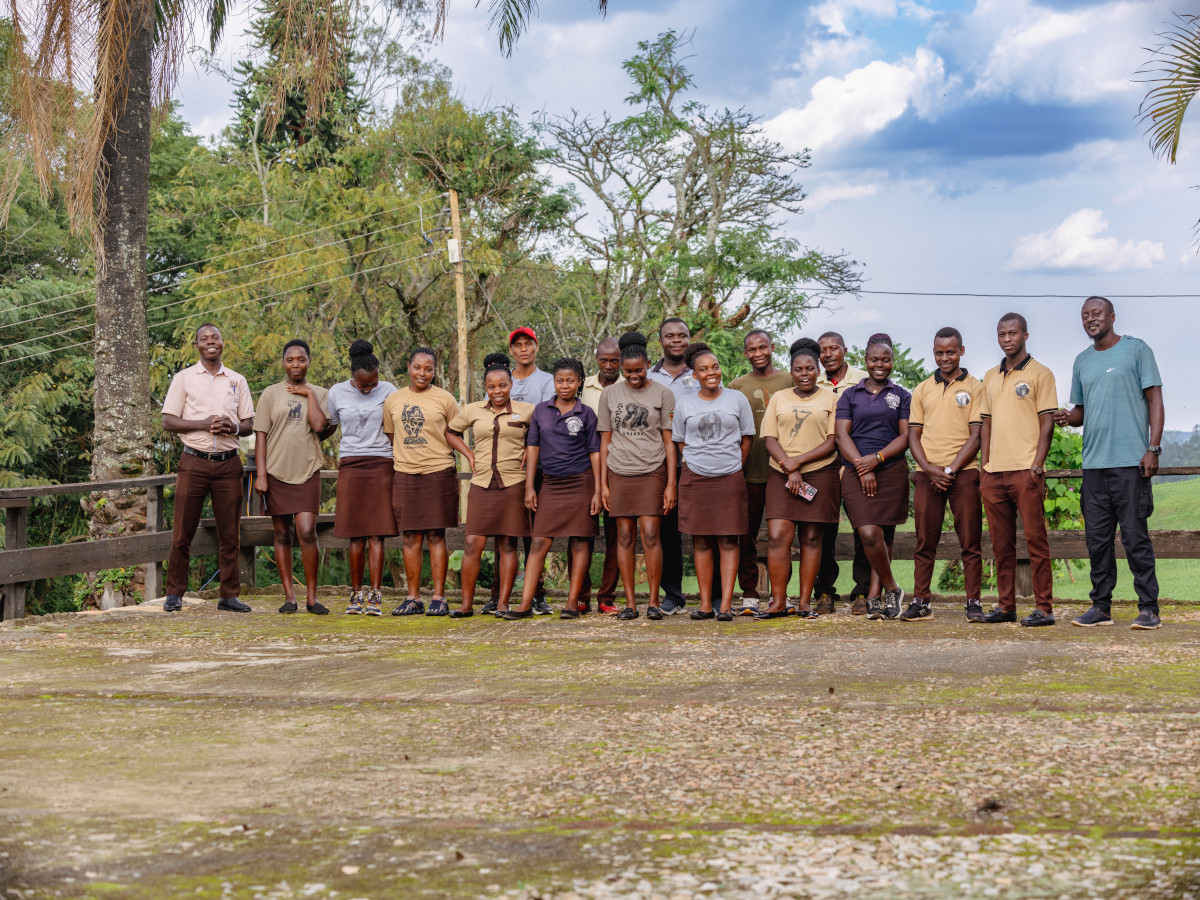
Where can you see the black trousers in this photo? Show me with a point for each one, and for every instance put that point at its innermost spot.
(827, 575)
(672, 551)
(1112, 498)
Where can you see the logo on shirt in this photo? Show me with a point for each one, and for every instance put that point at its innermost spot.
(413, 418)
(800, 418)
(893, 401)
(962, 398)
(631, 418)
(688, 382)
(709, 427)
(295, 410)
(574, 425)
(1113, 369)
(1022, 390)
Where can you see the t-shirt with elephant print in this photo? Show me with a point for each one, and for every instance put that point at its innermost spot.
(293, 450)
(637, 420)
(711, 432)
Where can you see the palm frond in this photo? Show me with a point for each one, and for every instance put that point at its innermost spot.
(510, 19)
(217, 13)
(1174, 71)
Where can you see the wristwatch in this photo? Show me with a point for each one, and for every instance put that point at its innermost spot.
(949, 471)
(1036, 470)
(1156, 450)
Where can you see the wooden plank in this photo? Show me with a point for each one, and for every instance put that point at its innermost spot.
(15, 533)
(88, 487)
(35, 563)
(15, 503)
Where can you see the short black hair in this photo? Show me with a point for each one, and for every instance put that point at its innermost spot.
(633, 346)
(568, 364)
(880, 338)
(672, 320)
(949, 332)
(422, 351)
(362, 357)
(1103, 300)
(829, 335)
(755, 331)
(296, 342)
(200, 328)
(1014, 317)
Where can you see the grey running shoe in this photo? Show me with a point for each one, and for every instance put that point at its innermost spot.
(891, 602)
(1093, 617)
(541, 607)
(355, 607)
(489, 608)
(1147, 620)
(874, 608)
(974, 610)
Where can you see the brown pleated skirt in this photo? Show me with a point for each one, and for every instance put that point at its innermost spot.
(889, 506)
(498, 511)
(631, 496)
(564, 506)
(425, 502)
(285, 499)
(364, 498)
(715, 505)
(824, 508)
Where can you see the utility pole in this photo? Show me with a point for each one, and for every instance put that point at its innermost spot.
(454, 250)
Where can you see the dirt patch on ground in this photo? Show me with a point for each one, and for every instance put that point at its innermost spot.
(260, 755)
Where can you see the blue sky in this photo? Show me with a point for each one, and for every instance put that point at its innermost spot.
(971, 147)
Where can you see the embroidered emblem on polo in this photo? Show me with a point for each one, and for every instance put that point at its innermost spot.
(893, 401)
(1022, 390)
(688, 381)
(962, 398)
(574, 425)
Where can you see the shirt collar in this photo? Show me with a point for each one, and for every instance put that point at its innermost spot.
(862, 385)
(1017, 368)
(220, 371)
(937, 376)
(486, 405)
(658, 367)
(550, 404)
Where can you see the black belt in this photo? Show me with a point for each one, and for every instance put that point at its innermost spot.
(212, 457)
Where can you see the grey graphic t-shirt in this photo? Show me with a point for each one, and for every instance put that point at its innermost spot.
(637, 420)
(361, 419)
(711, 431)
(535, 389)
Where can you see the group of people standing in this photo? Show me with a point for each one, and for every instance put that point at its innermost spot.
(663, 449)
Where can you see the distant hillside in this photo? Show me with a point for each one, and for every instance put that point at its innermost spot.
(1176, 506)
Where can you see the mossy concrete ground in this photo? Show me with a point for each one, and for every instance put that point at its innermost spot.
(221, 755)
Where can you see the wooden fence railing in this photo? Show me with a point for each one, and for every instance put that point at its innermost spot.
(21, 564)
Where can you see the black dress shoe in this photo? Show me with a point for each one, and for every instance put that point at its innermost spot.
(999, 615)
(232, 604)
(173, 603)
(1037, 618)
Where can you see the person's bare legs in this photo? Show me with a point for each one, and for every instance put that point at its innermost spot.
(702, 556)
(626, 538)
(471, 561)
(879, 555)
(282, 526)
(535, 564)
(439, 560)
(375, 563)
(811, 534)
(731, 560)
(653, 553)
(508, 561)
(579, 550)
(780, 534)
(413, 557)
(310, 552)
(356, 558)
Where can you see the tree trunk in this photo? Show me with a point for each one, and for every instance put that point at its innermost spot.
(122, 443)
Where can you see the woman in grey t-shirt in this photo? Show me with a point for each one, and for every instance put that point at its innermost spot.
(637, 466)
(363, 513)
(714, 429)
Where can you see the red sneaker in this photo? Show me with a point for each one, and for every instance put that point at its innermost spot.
(584, 607)
(606, 608)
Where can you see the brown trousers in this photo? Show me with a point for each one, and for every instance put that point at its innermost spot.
(222, 481)
(608, 581)
(929, 514)
(1005, 494)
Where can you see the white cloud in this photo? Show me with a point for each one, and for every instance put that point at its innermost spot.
(863, 102)
(1077, 244)
(825, 197)
(833, 15)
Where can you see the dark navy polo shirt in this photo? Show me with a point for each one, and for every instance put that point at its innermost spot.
(874, 418)
(563, 441)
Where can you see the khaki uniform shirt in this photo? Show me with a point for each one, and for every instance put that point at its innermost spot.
(194, 394)
(853, 377)
(293, 448)
(499, 440)
(592, 389)
(417, 421)
(1015, 400)
(945, 411)
(801, 425)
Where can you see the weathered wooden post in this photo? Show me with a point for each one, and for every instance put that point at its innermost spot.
(16, 519)
(153, 576)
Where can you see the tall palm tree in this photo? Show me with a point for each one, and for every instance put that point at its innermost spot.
(1174, 71)
(84, 78)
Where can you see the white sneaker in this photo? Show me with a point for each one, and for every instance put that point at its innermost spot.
(749, 606)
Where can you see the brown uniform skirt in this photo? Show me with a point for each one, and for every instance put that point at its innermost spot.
(889, 506)
(364, 492)
(498, 511)
(425, 502)
(285, 499)
(564, 506)
(715, 505)
(631, 496)
(825, 508)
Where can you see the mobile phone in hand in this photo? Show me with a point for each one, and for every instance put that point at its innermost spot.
(808, 492)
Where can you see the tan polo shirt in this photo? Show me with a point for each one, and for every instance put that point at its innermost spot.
(945, 411)
(499, 440)
(293, 448)
(853, 377)
(194, 394)
(417, 422)
(592, 389)
(1015, 400)
(801, 424)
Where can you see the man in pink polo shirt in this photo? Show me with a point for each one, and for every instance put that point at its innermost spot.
(208, 406)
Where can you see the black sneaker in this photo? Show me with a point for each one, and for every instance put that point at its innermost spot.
(1093, 617)
(916, 611)
(874, 608)
(974, 610)
(1037, 618)
(999, 615)
(410, 607)
(541, 607)
(892, 601)
(318, 609)
(627, 613)
(489, 608)
(1147, 620)
(173, 603)
(654, 612)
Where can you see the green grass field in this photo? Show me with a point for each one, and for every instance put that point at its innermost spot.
(1176, 507)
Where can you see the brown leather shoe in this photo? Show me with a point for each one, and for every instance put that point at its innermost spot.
(859, 606)
(823, 605)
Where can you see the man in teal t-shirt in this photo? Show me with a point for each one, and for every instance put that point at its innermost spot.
(1116, 393)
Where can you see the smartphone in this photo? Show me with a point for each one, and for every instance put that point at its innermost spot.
(808, 492)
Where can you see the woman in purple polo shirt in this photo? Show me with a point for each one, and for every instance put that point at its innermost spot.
(563, 440)
(872, 436)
